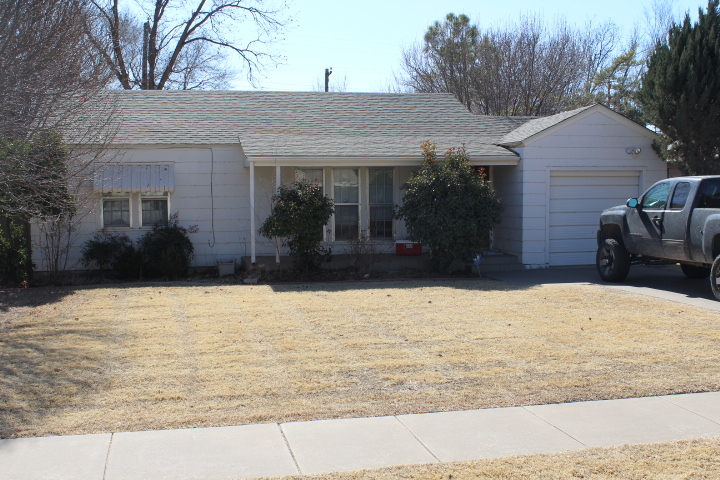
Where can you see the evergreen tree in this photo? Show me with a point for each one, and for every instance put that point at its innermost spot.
(680, 93)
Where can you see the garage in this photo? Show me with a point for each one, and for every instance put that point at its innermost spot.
(576, 200)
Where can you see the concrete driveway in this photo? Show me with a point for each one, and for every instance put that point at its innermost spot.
(666, 282)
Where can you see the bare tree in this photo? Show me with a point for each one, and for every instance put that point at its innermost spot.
(659, 17)
(50, 83)
(521, 68)
(174, 44)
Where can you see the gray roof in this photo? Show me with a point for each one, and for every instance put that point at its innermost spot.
(307, 123)
(537, 125)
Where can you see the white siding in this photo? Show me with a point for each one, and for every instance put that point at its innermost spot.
(507, 181)
(593, 142)
(211, 190)
(221, 213)
(576, 199)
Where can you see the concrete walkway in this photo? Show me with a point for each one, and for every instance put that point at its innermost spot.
(350, 444)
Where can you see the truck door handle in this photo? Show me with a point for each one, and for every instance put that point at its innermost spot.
(656, 221)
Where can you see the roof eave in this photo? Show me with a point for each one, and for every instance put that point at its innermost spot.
(395, 161)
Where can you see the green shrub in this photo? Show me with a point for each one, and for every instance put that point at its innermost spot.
(299, 214)
(449, 207)
(165, 251)
(104, 250)
(15, 262)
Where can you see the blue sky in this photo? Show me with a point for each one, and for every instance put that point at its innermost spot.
(363, 40)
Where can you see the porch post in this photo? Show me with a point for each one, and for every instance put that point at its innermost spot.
(277, 240)
(253, 259)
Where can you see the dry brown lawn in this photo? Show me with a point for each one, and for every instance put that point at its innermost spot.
(174, 355)
(689, 459)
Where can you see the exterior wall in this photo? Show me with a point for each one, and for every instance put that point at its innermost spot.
(593, 142)
(212, 191)
(508, 183)
(221, 212)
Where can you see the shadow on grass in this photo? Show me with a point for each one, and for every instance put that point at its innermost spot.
(31, 297)
(45, 370)
(460, 283)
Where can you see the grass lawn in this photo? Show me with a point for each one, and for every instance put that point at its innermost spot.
(173, 355)
(688, 459)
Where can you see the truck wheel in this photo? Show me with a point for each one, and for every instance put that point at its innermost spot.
(715, 277)
(613, 261)
(694, 272)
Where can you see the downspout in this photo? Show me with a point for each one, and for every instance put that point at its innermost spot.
(253, 259)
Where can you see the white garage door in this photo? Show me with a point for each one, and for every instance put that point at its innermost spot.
(576, 200)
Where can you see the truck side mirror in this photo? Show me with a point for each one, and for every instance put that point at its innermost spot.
(632, 202)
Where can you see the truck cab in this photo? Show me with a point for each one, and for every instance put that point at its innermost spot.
(677, 220)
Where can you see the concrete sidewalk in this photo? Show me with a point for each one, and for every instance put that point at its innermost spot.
(350, 444)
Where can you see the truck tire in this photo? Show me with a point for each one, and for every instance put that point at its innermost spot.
(695, 272)
(715, 277)
(613, 261)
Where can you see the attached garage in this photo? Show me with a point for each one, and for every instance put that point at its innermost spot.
(576, 200)
(572, 166)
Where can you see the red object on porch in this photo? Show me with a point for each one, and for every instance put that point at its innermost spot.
(404, 247)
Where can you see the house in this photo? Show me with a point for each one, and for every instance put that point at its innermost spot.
(216, 158)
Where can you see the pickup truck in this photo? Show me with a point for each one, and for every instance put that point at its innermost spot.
(676, 221)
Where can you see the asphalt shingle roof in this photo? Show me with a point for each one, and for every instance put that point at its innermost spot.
(307, 123)
(537, 125)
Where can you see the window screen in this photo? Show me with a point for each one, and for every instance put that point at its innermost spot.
(381, 202)
(309, 175)
(154, 211)
(116, 212)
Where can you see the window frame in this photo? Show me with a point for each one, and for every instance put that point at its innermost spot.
(135, 203)
(148, 196)
(370, 205)
(116, 198)
(356, 204)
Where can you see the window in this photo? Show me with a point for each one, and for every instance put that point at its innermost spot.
(347, 203)
(116, 212)
(135, 210)
(680, 196)
(709, 194)
(154, 211)
(380, 199)
(310, 175)
(656, 198)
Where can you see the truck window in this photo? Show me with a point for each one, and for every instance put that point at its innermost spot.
(656, 197)
(680, 196)
(709, 194)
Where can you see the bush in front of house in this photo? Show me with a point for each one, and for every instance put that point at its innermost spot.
(449, 207)
(15, 259)
(164, 252)
(298, 215)
(167, 250)
(105, 251)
